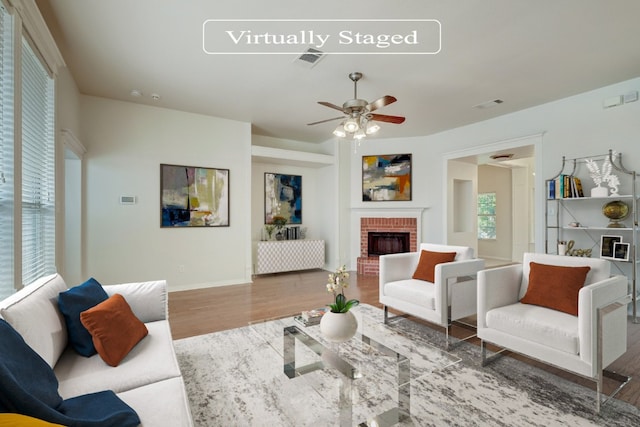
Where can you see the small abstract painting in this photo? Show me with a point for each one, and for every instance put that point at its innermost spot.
(193, 196)
(282, 198)
(386, 177)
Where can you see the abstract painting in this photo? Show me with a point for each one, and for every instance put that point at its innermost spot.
(193, 196)
(282, 197)
(386, 177)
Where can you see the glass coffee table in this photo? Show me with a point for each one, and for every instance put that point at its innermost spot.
(332, 359)
(365, 381)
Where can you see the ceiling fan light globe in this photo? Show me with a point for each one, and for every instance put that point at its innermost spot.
(359, 134)
(339, 131)
(372, 127)
(351, 125)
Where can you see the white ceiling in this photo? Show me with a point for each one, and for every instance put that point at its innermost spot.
(521, 51)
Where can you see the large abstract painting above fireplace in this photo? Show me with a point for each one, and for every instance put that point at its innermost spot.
(389, 235)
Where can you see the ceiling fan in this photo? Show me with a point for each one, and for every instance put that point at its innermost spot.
(358, 117)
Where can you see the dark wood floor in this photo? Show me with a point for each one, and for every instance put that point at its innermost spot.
(208, 310)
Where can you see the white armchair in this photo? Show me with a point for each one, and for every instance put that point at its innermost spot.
(584, 344)
(452, 296)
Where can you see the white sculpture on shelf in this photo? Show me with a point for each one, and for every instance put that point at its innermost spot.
(614, 183)
(603, 176)
(611, 179)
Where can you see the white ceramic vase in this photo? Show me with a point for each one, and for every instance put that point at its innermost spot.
(338, 327)
(599, 192)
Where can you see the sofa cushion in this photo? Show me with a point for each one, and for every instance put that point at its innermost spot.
(33, 312)
(427, 264)
(148, 300)
(153, 359)
(73, 302)
(114, 328)
(544, 326)
(415, 291)
(555, 286)
(152, 411)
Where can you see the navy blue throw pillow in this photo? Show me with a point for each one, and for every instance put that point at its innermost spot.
(73, 302)
(28, 386)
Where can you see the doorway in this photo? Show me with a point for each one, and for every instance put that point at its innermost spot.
(504, 172)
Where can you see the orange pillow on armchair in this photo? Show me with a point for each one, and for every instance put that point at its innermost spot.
(555, 286)
(427, 264)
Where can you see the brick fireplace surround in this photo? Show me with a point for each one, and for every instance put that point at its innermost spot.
(369, 265)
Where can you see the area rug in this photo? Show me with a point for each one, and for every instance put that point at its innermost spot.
(236, 378)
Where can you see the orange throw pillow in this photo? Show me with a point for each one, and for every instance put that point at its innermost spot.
(427, 264)
(114, 328)
(555, 286)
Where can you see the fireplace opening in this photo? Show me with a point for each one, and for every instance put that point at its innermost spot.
(382, 243)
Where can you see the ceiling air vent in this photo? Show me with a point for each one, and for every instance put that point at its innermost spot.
(310, 57)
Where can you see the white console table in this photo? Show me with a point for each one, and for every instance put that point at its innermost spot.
(289, 255)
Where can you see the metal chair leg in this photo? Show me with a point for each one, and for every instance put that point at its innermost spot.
(483, 351)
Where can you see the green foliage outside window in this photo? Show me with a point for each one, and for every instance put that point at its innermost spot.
(487, 216)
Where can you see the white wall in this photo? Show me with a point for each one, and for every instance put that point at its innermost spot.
(577, 126)
(493, 179)
(69, 256)
(126, 144)
(73, 222)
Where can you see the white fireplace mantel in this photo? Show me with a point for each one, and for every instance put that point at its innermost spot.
(385, 212)
(358, 213)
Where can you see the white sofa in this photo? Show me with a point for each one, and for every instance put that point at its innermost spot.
(148, 379)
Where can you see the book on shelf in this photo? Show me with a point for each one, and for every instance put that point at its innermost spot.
(311, 317)
(564, 187)
(551, 189)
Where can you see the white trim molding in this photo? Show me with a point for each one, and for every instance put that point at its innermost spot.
(36, 27)
(70, 141)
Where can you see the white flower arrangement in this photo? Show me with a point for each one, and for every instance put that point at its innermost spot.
(336, 285)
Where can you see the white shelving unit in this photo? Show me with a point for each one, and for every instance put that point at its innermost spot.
(587, 212)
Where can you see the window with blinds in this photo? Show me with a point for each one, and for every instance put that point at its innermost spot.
(6, 154)
(38, 168)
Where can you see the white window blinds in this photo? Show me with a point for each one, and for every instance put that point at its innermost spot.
(38, 174)
(6, 154)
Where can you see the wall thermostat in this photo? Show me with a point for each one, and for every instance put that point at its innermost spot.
(127, 200)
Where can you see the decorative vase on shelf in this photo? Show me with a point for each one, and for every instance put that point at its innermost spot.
(338, 327)
(599, 192)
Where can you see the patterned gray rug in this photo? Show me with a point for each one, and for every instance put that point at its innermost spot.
(236, 378)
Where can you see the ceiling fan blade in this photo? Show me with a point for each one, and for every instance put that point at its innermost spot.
(388, 119)
(324, 121)
(330, 105)
(381, 102)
